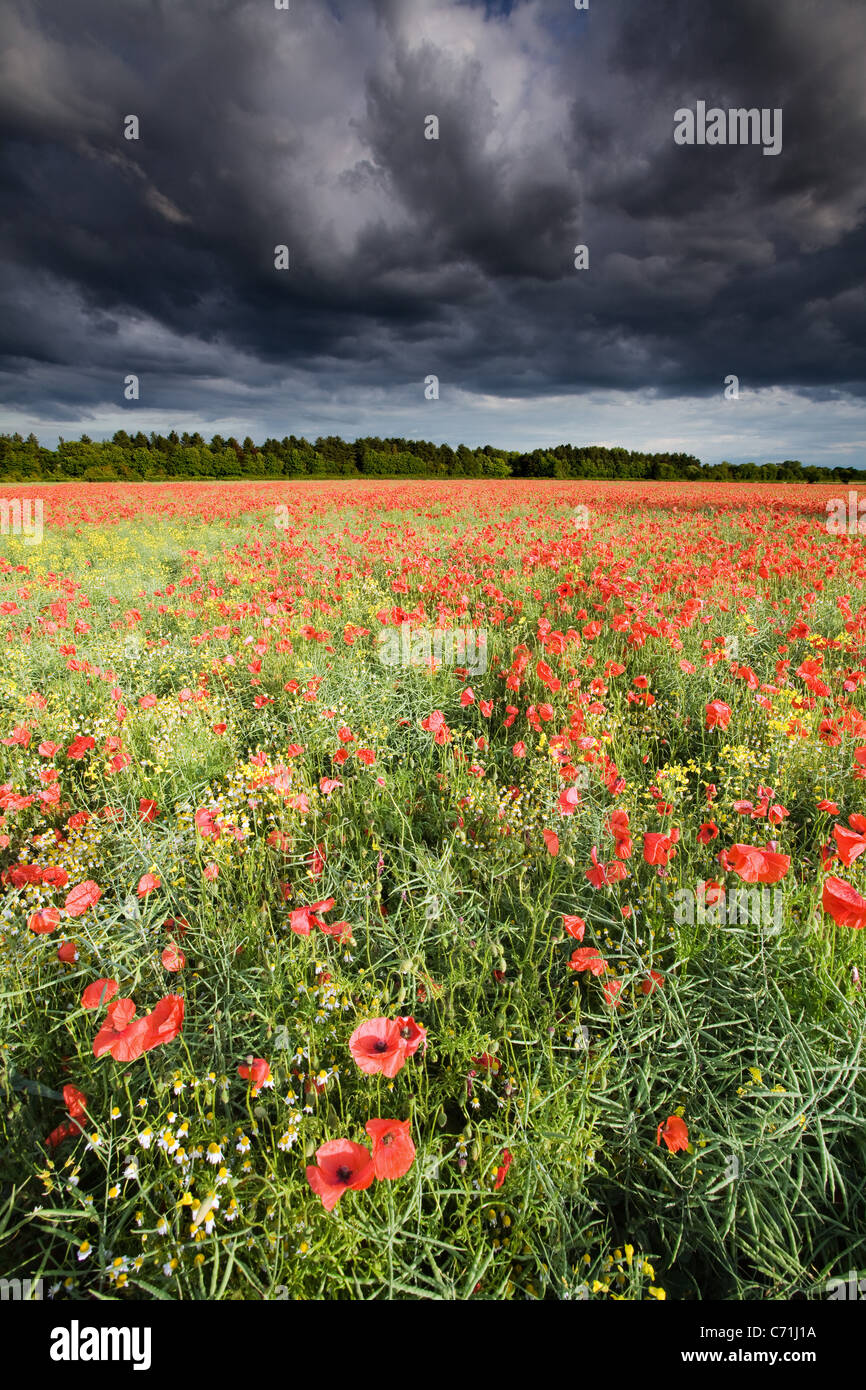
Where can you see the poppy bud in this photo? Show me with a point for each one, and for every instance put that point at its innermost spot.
(441, 1118)
(401, 996)
(475, 1152)
(309, 1148)
(405, 967)
(467, 1130)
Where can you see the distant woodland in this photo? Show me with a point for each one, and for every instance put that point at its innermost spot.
(133, 457)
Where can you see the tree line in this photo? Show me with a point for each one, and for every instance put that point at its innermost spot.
(135, 457)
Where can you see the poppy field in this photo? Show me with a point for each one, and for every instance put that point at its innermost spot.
(414, 892)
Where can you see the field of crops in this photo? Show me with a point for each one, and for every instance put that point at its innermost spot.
(412, 892)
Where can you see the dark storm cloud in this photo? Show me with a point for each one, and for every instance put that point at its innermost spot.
(411, 256)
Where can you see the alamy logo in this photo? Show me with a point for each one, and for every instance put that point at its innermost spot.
(712, 906)
(20, 1290)
(738, 126)
(846, 518)
(851, 1288)
(22, 518)
(443, 646)
(76, 1343)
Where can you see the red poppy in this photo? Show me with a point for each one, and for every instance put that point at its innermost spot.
(757, 865)
(126, 1039)
(147, 884)
(45, 921)
(575, 926)
(843, 903)
(588, 958)
(81, 897)
(658, 848)
(654, 981)
(99, 993)
(502, 1170)
(79, 746)
(569, 801)
(147, 810)
(675, 1133)
(611, 992)
(341, 1165)
(75, 1102)
(849, 844)
(708, 831)
(66, 1130)
(377, 1046)
(413, 1035)
(551, 840)
(67, 952)
(173, 959)
(303, 919)
(393, 1150)
(258, 1073)
(718, 715)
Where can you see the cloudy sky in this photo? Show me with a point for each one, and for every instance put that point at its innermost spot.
(411, 257)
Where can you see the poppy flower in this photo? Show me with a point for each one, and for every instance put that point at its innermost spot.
(502, 1170)
(81, 897)
(99, 993)
(575, 926)
(757, 865)
(843, 903)
(341, 1165)
(675, 1133)
(653, 982)
(393, 1150)
(588, 958)
(718, 715)
(413, 1035)
(207, 824)
(126, 1039)
(849, 844)
(67, 952)
(708, 831)
(611, 992)
(377, 1046)
(147, 884)
(551, 840)
(658, 848)
(79, 746)
(303, 919)
(75, 1102)
(173, 959)
(258, 1073)
(147, 810)
(569, 801)
(45, 921)
(66, 1130)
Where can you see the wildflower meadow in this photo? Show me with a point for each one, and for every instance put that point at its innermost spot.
(414, 892)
